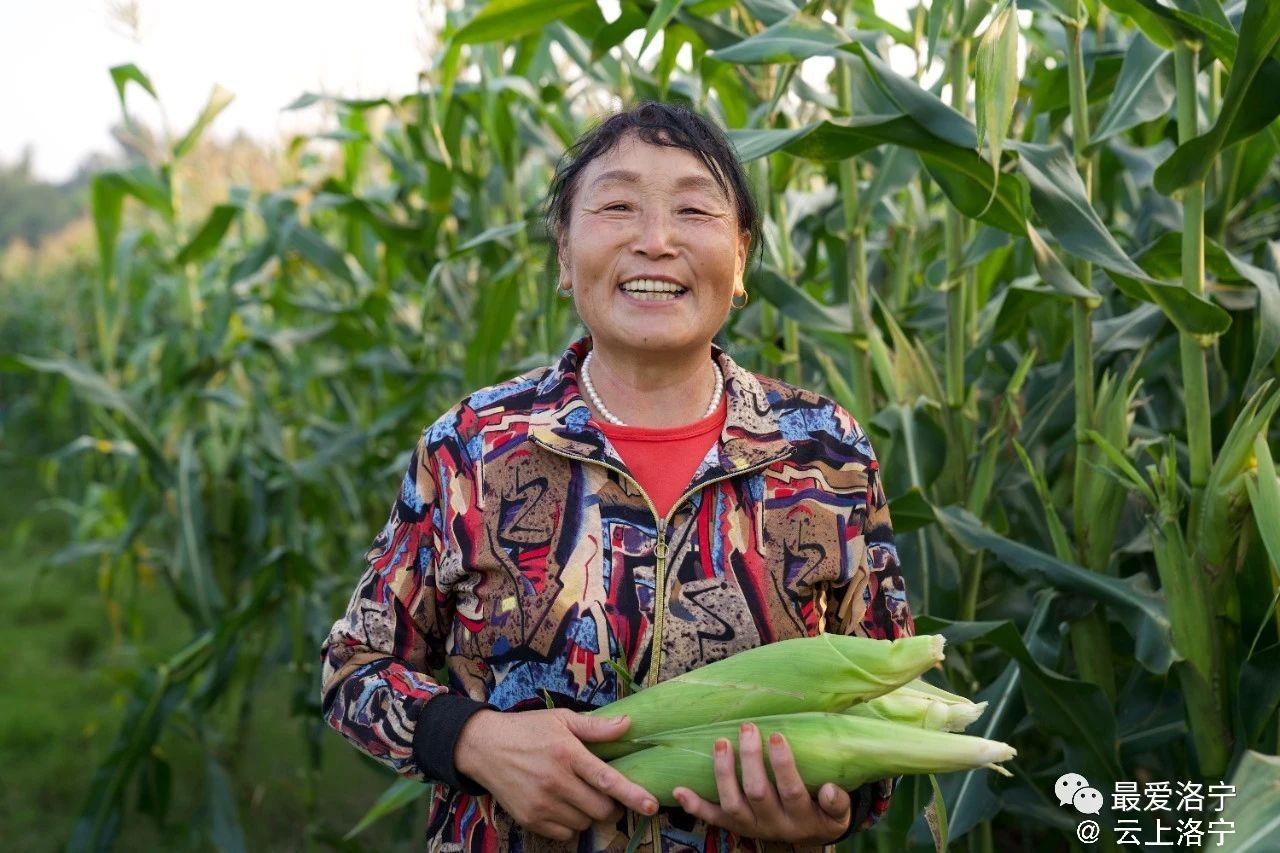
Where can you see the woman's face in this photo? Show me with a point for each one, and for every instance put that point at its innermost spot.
(653, 250)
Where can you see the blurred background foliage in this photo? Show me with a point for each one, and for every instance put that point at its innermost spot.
(1032, 248)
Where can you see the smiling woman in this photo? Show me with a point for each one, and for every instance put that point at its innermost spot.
(681, 510)
(653, 249)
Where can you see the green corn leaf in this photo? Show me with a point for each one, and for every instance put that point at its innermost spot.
(1057, 532)
(96, 389)
(910, 511)
(641, 833)
(1205, 21)
(1191, 20)
(795, 303)
(926, 108)
(1138, 607)
(225, 830)
(192, 550)
(961, 173)
(935, 814)
(1075, 711)
(143, 183)
(505, 20)
(1250, 101)
(770, 12)
(663, 12)
(968, 795)
(790, 40)
(313, 248)
(1220, 515)
(219, 100)
(997, 83)
(155, 698)
(1123, 465)
(1264, 497)
(1056, 192)
(399, 794)
(210, 235)
(627, 682)
(123, 75)
(1254, 811)
(1260, 682)
(1144, 91)
(1055, 273)
(974, 13)
(1059, 197)
(1268, 284)
(939, 15)
(1155, 24)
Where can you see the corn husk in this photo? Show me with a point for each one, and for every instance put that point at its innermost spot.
(846, 749)
(828, 672)
(922, 705)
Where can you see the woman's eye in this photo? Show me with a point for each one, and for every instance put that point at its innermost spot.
(693, 210)
(612, 206)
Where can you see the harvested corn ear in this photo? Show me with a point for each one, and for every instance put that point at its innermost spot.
(842, 748)
(922, 705)
(828, 672)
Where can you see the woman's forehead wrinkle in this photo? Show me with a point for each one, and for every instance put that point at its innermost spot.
(619, 176)
(626, 176)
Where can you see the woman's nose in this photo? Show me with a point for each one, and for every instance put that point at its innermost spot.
(656, 234)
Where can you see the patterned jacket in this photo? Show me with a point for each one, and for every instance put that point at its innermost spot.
(520, 557)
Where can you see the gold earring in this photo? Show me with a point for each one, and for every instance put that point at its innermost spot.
(746, 297)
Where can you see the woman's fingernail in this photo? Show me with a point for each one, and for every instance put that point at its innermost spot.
(650, 806)
(722, 746)
(776, 738)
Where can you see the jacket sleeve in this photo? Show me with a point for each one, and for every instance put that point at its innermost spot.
(378, 691)
(872, 602)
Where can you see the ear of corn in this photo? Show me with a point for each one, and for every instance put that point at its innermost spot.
(923, 705)
(846, 749)
(828, 672)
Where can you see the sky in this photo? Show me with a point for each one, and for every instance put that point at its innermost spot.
(57, 97)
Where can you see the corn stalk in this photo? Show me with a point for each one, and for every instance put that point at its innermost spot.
(1089, 634)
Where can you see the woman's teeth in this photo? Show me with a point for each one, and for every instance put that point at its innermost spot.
(652, 290)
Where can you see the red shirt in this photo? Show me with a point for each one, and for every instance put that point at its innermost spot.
(663, 459)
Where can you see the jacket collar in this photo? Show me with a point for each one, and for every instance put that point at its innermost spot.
(751, 436)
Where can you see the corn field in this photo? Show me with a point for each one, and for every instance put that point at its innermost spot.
(1034, 248)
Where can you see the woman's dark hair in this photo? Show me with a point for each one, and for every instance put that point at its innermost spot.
(657, 123)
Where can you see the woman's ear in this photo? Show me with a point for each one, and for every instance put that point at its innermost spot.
(562, 258)
(744, 250)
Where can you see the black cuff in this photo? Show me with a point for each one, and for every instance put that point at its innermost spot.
(436, 735)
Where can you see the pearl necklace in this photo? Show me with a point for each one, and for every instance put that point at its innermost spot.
(613, 419)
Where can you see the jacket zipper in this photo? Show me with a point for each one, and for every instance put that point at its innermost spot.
(660, 573)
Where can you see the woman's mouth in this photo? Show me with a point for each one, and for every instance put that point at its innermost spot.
(652, 290)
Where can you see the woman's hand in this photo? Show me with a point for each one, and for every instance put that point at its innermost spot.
(759, 809)
(535, 765)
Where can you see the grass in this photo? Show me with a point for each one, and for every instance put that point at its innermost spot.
(61, 706)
